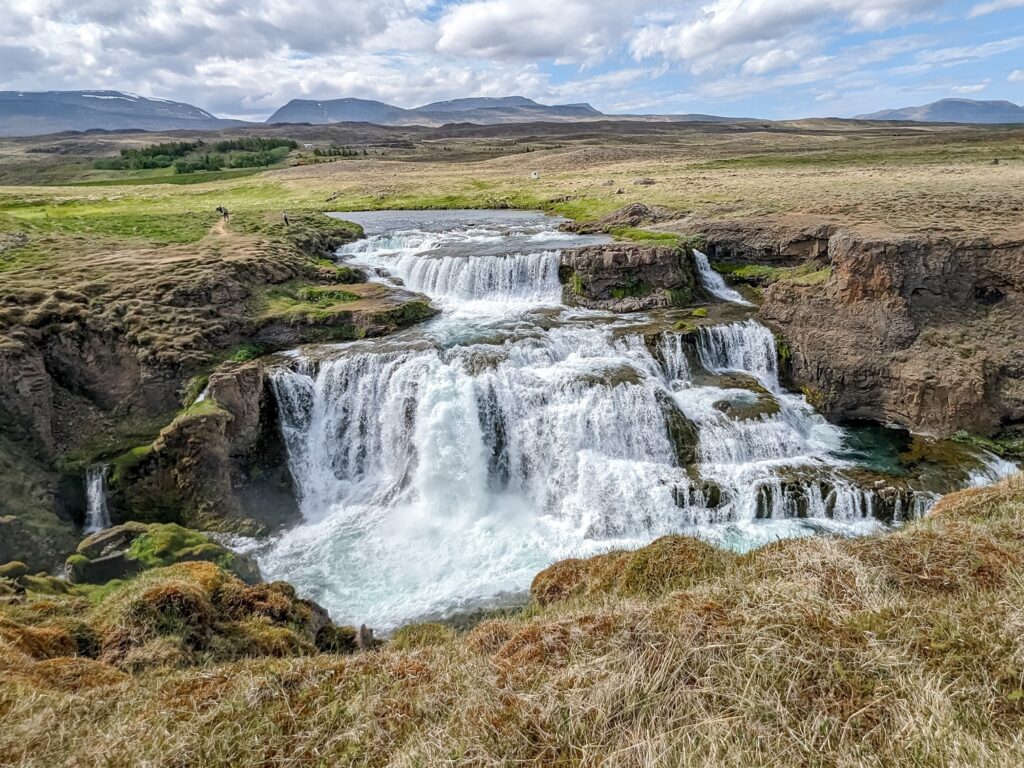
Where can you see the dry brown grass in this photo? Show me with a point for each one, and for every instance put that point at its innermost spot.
(896, 650)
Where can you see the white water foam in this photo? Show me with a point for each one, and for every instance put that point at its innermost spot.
(437, 475)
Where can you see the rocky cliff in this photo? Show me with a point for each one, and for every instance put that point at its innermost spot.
(97, 356)
(925, 331)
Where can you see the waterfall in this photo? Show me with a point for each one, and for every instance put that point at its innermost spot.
(747, 347)
(993, 469)
(443, 468)
(519, 277)
(97, 516)
(713, 283)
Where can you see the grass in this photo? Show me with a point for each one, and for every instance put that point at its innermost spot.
(901, 649)
(305, 301)
(637, 235)
(763, 275)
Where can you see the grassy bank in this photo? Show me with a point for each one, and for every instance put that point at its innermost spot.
(896, 650)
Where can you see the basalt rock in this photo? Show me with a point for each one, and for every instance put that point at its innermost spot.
(627, 277)
(632, 215)
(220, 465)
(924, 332)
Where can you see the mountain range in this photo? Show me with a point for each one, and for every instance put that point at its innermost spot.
(954, 111)
(26, 113)
(486, 111)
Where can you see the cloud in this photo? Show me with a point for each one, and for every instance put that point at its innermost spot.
(244, 58)
(1017, 76)
(964, 90)
(569, 31)
(738, 25)
(982, 9)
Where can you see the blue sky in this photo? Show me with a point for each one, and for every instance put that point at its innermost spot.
(765, 58)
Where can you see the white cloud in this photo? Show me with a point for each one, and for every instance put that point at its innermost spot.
(738, 25)
(982, 9)
(965, 90)
(1017, 76)
(569, 31)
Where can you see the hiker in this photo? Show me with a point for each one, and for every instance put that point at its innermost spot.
(285, 217)
(223, 211)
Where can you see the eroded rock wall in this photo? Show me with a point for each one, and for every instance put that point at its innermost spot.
(925, 332)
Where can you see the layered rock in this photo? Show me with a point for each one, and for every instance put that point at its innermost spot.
(925, 332)
(627, 277)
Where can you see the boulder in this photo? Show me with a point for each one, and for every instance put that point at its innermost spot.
(128, 549)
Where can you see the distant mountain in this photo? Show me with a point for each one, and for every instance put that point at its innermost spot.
(485, 111)
(338, 111)
(30, 113)
(954, 111)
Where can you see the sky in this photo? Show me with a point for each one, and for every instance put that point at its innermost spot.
(774, 59)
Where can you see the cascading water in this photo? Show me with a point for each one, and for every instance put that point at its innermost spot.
(714, 283)
(441, 469)
(97, 515)
(747, 347)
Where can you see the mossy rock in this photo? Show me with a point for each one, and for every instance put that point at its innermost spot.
(13, 570)
(131, 548)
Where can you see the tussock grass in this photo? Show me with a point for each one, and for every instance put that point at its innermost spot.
(903, 649)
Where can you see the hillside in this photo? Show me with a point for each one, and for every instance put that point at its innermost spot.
(25, 113)
(954, 111)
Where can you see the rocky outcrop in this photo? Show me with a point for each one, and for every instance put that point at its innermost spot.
(126, 550)
(633, 215)
(627, 277)
(782, 241)
(219, 465)
(924, 332)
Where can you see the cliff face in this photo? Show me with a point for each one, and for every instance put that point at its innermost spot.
(220, 465)
(925, 332)
(627, 277)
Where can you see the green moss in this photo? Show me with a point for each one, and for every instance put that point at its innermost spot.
(810, 278)
(13, 570)
(699, 312)
(75, 567)
(680, 297)
(784, 352)
(127, 461)
(632, 288)
(763, 274)
(194, 388)
(170, 543)
(576, 284)
(636, 235)
(815, 397)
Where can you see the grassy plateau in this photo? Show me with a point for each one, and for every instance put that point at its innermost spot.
(904, 649)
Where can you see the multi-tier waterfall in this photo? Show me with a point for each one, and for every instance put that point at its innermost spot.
(442, 468)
